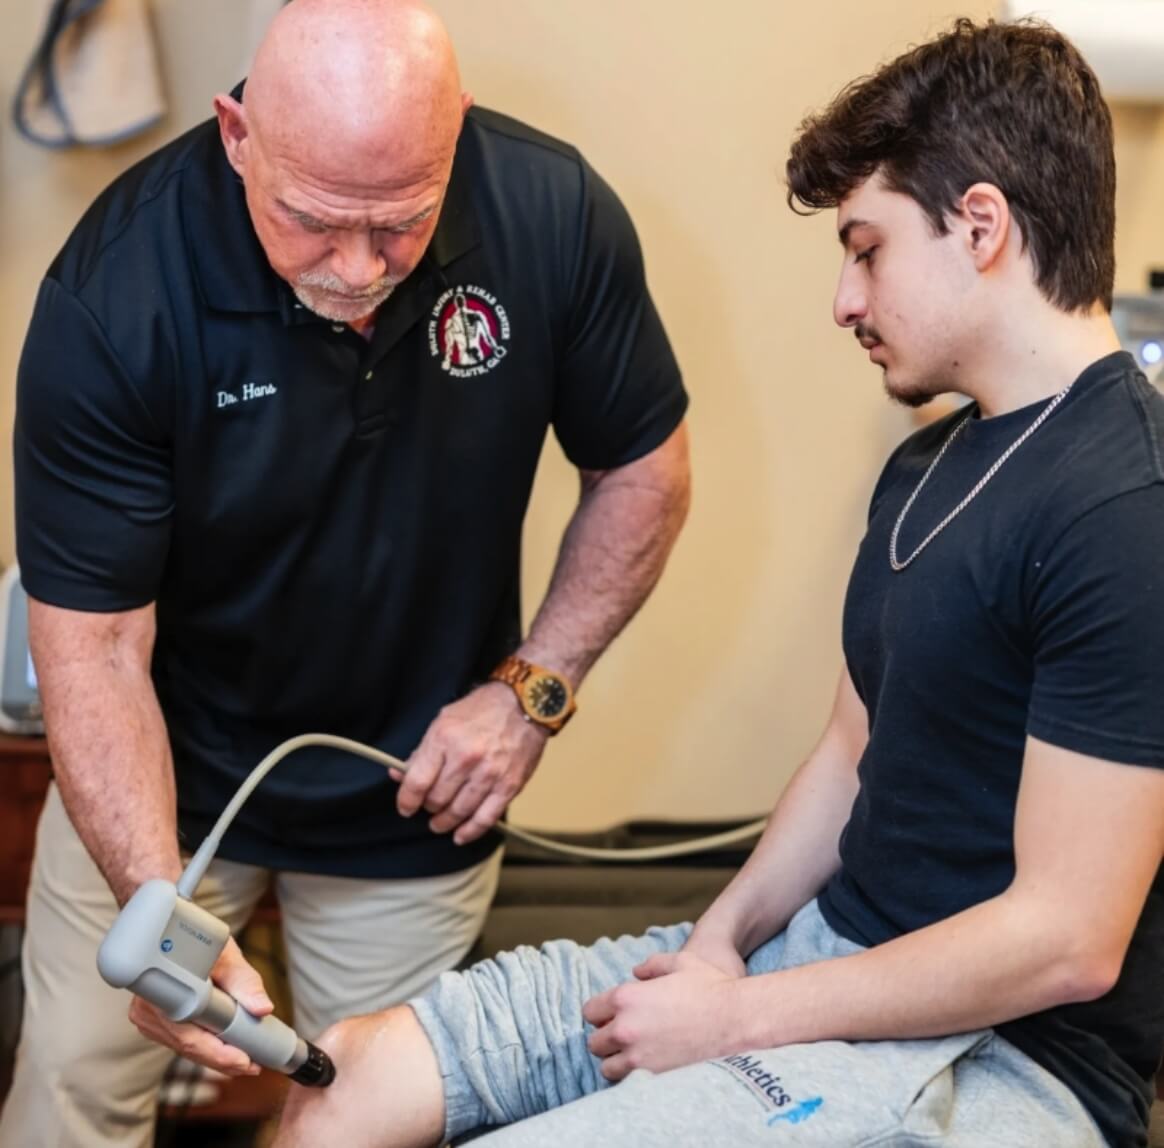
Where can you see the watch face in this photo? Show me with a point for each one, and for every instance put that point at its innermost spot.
(547, 697)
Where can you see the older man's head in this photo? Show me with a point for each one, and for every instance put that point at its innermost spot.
(344, 142)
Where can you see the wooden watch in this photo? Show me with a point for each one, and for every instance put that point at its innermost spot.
(546, 697)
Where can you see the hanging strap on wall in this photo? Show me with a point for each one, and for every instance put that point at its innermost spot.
(93, 78)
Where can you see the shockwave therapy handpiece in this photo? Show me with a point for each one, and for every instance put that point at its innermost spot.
(162, 947)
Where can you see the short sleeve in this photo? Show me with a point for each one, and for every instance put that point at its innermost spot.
(619, 392)
(1099, 633)
(93, 476)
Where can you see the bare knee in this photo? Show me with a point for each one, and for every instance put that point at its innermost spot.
(351, 1044)
(387, 1091)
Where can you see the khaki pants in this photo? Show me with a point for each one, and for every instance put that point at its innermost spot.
(86, 1078)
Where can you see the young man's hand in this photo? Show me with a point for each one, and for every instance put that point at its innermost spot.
(679, 1011)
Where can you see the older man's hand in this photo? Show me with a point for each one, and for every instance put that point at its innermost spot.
(473, 761)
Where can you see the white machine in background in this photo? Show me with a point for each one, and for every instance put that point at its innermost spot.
(1123, 40)
(20, 710)
(1139, 322)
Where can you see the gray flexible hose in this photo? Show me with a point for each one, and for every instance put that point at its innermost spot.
(199, 862)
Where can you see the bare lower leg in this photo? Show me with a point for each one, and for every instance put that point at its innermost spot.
(387, 1091)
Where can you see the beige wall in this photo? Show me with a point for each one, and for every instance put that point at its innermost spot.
(704, 707)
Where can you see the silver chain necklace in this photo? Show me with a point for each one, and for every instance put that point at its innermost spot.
(1044, 414)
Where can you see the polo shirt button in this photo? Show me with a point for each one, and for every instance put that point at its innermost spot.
(337, 327)
(368, 375)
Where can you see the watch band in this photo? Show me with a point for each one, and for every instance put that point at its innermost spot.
(521, 676)
(512, 670)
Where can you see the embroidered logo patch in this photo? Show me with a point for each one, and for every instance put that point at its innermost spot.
(468, 332)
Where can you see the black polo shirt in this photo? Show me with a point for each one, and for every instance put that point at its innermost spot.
(1037, 613)
(330, 527)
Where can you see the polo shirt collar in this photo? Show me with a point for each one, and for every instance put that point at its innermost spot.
(457, 230)
(230, 263)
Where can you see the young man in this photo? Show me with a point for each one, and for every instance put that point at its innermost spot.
(952, 931)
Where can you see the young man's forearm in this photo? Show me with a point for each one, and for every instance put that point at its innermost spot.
(612, 554)
(1002, 959)
(792, 861)
(798, 851)
(110, 751)
(1088, 840)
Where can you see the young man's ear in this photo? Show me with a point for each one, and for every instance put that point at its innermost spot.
(232, 127)
(985, 216)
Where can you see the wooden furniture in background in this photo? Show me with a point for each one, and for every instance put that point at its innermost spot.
(24, 778)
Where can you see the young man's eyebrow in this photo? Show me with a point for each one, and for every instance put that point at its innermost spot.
(843, 234)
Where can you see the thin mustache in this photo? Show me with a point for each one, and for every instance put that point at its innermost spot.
(339, 287)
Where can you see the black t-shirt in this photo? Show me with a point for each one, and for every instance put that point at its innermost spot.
(1038, 611)
(330, 527)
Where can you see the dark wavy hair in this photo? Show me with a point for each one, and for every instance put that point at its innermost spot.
(1011, 104)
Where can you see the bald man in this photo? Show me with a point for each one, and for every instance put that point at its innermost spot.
(280, 408)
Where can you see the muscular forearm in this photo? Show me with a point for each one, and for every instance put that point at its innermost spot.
(1005, 958)
(612, 554)
(110, 752)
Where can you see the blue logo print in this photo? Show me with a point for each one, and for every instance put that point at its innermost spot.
(798, 1114)
(167, 945)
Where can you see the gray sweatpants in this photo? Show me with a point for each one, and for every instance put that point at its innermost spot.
(511, 1043)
